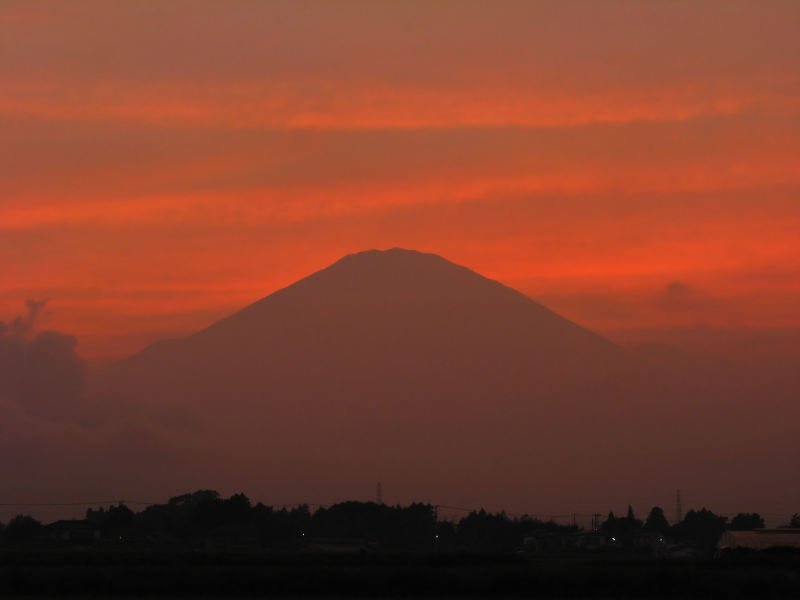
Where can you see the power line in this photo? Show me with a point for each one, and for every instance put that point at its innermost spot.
(95, 503)
(461, 508)
(552, 517)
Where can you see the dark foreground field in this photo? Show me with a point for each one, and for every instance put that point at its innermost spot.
(92, 573)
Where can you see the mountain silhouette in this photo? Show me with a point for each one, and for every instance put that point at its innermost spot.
(394, 312)
(398, 366)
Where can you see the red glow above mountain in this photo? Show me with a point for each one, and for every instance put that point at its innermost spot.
(162, 165)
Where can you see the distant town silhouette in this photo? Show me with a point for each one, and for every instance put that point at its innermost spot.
(204, 520)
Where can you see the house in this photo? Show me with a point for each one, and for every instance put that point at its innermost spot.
(73, 532)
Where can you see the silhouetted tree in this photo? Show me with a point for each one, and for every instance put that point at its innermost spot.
(629, 526)
(702, 528)
(445, 535)
(203, 519)
(487, 531)
(112, 522)
(528, 526)
(744, 521)
(416, 526)
(794, 523)
(119, 517)
(297, 522)
(209, 512)
(177, 520)
(656, 521)
(237, 509)
(194, 499)
(279, 528)
(609, 526)
(622, 528)
(407, 527)
(21, 529)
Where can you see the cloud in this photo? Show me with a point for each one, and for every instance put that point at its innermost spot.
(682, 297)
(23, 324)
(333, 106)
(57, 439)
(61, 442)
(676, 289)
(40, 371)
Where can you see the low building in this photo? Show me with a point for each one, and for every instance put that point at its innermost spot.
(73, 532)
(760, 539)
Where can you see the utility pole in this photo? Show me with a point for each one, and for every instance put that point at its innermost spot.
(596, 522)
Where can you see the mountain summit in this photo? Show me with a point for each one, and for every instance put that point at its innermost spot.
(386, 364)
(383, 308)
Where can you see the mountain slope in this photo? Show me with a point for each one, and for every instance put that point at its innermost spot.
(396, 365)
(387, 310)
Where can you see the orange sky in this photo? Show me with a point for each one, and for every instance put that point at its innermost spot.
(629, 164)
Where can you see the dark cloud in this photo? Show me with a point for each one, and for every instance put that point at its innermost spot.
(681, 297)
(58, 441)
(40, 371)
(22, 325)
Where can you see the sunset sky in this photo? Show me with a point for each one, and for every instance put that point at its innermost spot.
(632, 165)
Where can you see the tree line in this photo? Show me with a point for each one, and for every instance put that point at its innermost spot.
(700, 528)
(203, 517)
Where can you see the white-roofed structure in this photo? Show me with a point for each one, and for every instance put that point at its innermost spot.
(760, 539)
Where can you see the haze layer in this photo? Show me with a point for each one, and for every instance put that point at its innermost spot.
(402, 367)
